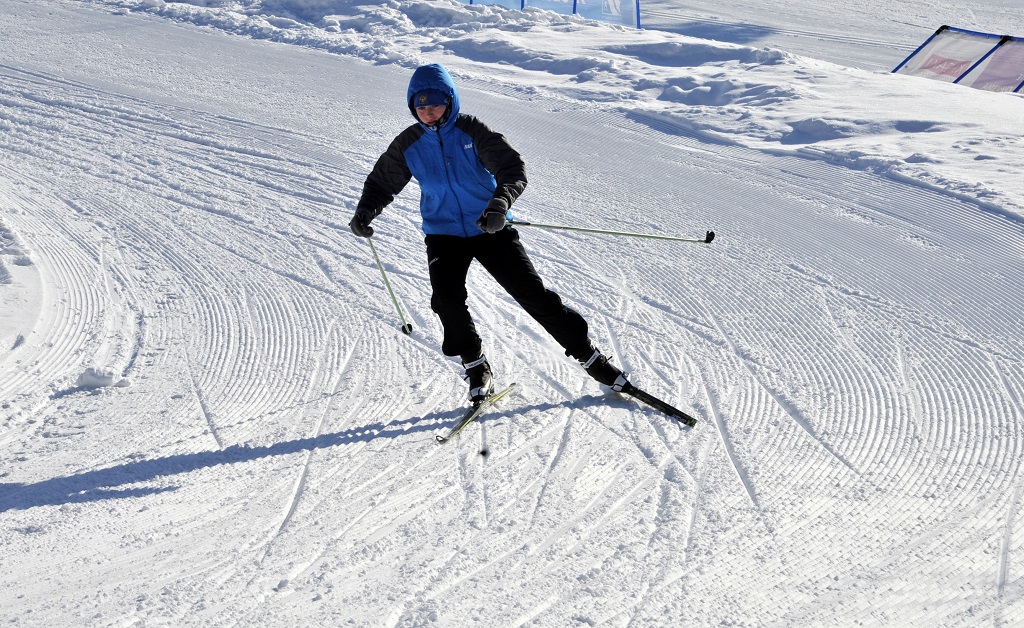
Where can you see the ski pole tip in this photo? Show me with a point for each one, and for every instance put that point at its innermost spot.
(407, 329)
(710, 236)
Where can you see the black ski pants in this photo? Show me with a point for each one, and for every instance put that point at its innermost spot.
(503, 256)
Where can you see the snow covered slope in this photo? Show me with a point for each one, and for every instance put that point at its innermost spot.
(209, 416)
(870, 34)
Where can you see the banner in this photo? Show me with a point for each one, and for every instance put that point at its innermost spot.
(617, 11)
(980, 60)
(1002, 71)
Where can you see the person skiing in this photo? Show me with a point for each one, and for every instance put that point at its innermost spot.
(469, 176)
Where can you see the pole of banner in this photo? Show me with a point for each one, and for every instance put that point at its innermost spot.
(650, 236)
(406, 327)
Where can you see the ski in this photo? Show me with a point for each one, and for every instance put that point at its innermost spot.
(659, 405)
(472, 413)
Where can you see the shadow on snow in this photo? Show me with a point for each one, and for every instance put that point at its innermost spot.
(716, 30)
(103, 484)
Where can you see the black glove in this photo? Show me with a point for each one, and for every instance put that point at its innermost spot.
(360, 223)
(493, 218)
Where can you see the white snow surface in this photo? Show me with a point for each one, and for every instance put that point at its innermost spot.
(210, 417)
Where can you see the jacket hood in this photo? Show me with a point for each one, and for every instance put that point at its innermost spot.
(433, 76)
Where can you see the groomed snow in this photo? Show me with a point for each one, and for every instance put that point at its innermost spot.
(209, 415)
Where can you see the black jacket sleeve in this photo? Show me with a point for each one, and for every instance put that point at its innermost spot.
(498, 156)
(390, 174)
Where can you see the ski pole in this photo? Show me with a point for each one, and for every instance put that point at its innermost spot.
(707, 239)
(406, 327)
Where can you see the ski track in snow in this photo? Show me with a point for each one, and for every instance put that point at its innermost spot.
(272, 460)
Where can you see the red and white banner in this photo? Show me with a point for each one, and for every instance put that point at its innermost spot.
(980, 60)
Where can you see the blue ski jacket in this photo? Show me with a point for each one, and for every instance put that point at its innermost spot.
(460, 165)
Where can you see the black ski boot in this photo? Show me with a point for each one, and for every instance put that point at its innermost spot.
(598, 367)
(478, 374)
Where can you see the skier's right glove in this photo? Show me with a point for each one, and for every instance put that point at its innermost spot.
(493, 218)
(360, 223)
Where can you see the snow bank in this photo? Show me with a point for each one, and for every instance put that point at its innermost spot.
(762, 98)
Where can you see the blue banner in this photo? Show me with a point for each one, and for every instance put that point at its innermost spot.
(616, 11)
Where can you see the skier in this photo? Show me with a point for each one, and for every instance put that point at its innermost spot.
(469, 176)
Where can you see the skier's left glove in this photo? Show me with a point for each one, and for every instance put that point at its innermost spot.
(360, 223)
(493, 218)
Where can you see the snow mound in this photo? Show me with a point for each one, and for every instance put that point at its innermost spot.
(10, 244)
(100, 377)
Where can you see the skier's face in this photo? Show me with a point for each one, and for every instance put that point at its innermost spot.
(431, 114)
